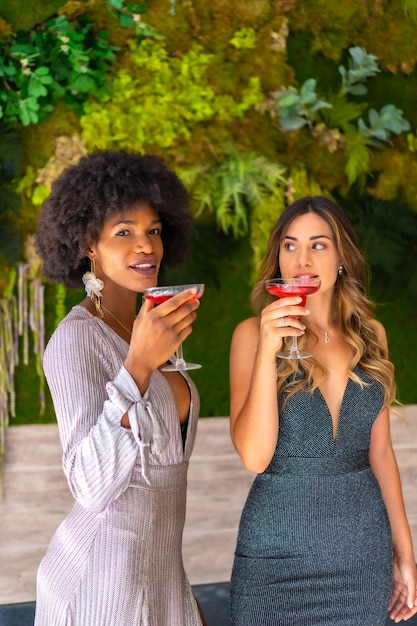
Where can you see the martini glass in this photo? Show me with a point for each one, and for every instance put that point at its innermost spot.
(161, 294)
(302, 286)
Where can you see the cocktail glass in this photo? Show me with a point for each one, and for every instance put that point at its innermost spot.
(302, 286)
(161, 294)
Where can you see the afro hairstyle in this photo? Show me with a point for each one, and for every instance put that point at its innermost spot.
(101, 185)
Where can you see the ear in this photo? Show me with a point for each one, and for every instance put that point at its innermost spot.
(90, 254)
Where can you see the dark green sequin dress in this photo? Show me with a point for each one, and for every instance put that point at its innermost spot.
(314, 544)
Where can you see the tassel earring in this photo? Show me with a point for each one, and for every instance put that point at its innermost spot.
(93, 287)
(340, 270)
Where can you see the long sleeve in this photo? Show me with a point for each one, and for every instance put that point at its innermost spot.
(91, 391)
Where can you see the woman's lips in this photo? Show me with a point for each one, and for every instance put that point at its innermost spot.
(145, 268)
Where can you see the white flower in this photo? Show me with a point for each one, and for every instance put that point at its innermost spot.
(92, 284)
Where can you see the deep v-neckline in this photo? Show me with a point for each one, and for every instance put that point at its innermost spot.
(184, 426)
(335, 431)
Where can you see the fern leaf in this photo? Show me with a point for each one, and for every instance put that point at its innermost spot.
(342, 113)
(358, 160)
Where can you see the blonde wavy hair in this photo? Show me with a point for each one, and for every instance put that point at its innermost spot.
(352, 310)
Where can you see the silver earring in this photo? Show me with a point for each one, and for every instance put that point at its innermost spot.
(340, 270)
(93, 287)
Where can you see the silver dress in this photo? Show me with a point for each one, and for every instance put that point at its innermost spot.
(116, 560)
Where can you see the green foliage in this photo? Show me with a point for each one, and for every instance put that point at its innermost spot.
(382, 125)
(244, 38)
(343, 113)
(240, 185)
(358, 160)
(265, 40)
(10, 169)
(398, 315)
(334, 25)
(23, 14)
(59, 59)
(388, 235)
(395, 175)
(361, 66)
(246, 194)
(129, 16)
(410, 9)
(158, 99)
(226, 266)
(60, 297)
(297, 108)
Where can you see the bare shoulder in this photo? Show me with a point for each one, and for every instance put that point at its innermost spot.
(247, 331)
(245, 338)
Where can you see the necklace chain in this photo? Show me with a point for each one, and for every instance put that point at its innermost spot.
(115, 318)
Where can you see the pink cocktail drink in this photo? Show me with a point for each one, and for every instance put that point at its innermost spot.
(163, 297)
(158, 295)
(158, 299)
(301, 286)
(286, 290)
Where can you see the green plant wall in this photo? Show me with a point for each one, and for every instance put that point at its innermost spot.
(197, 83)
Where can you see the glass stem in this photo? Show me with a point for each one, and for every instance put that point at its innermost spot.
(180, 363)
(294, 348)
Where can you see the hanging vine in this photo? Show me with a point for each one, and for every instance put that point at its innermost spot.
(8, 355)
(21, 317)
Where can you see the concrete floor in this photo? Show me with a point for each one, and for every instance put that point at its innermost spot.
(35, 499)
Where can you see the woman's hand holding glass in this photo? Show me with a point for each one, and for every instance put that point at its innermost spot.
(283, 288)
(158, 295)
(280, 319)
(157, 332)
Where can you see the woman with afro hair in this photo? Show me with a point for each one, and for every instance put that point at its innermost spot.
(127, 428)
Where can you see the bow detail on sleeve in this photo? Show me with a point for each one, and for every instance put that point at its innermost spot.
(146, 424)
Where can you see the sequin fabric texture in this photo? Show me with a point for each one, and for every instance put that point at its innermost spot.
(116, 559)
(314, 544)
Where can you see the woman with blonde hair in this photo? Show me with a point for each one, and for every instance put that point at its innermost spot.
(323, 538)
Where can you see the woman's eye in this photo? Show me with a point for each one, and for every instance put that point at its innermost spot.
(123, 233)
(155, 231)
(289, 246)
(319, 246)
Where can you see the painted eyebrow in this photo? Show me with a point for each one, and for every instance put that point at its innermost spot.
(313, 238)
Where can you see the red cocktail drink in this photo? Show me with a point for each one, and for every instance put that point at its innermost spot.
(158, 295)
(285, 290)
(301, 286)
(158, 298)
